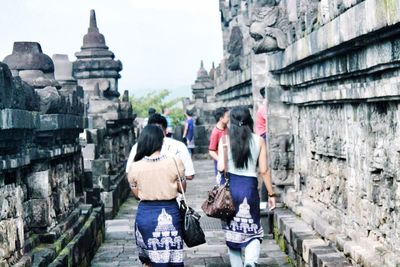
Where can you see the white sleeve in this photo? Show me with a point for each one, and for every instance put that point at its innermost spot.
(131, 157)
(183, 154)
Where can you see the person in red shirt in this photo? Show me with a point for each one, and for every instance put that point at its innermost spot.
(221, 115)
(261, 130)
(261, 118)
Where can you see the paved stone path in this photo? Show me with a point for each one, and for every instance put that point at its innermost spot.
(119, 248)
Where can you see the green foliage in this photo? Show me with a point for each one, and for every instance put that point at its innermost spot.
(157, 100)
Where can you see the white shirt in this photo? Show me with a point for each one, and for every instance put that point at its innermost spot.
(170, 147)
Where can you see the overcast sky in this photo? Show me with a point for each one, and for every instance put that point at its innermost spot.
(160, 42)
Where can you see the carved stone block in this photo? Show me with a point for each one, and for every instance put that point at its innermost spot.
(37, 213)
(39, 184)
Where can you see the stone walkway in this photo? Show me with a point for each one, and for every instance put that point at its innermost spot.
(119, 248)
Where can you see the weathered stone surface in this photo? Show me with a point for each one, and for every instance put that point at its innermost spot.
(51, 122)
(39, 186)
(37, 213)
(14, 93)
(29, 56)
(235, 49)
(38, 79)
(18, 119)
(346, 27)
(303, 243)
(25, 96)
(89, 151)
(50, 100)
(63, 68)
(6, 89)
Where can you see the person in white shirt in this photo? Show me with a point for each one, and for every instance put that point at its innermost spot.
(170, 147)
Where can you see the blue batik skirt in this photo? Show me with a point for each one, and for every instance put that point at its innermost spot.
(245, 225)
(159, 234)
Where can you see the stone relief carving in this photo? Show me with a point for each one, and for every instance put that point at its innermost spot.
(358, 175)
(235, 49)
(269, 27)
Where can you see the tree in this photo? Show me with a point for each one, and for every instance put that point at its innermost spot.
(157, 100)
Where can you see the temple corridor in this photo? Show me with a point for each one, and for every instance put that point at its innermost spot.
(119, 249)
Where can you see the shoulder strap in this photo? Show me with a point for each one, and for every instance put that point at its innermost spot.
(180, 182)
(225, 147)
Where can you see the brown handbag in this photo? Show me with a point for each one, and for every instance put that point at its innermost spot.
(219, 203)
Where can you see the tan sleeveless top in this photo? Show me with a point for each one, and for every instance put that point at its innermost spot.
(156, 178)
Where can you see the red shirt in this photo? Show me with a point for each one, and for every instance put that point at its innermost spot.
(215, 136)
(261, 120)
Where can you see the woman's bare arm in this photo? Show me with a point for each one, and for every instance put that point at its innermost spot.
(185, 129)
(221, 163)
(135, 190)
(265, 172)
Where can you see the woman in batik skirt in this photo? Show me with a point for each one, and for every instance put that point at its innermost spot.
(154, 180)
(246, 150)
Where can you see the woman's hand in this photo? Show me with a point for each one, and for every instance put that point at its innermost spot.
(271, 203)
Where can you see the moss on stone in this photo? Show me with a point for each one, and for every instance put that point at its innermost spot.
(281, 243)
(58, 246)
(290, 261)
(279, 239)
(276, 233)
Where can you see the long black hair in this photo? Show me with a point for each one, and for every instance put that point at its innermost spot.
(150, 141)
(240, 133)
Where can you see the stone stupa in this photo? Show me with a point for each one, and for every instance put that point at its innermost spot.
(95, 63)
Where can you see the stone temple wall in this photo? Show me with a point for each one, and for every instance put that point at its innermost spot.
(234, 75)
(340, 80)
(331, 75)
(41, 171)
(62, 153)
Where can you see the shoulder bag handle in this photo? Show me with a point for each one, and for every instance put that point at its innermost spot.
(225, 147)
(180, 183)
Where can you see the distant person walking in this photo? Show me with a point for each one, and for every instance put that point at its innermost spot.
(150, 112)
(153, 178)
(188, 132)
(166, 112)
(221, 116)
(245, 151)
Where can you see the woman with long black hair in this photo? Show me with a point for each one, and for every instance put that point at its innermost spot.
(246, 150)
(154, 180)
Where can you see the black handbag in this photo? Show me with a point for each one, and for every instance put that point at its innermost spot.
(192, 233)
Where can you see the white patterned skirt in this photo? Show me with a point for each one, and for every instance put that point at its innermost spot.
(159, 234)
(245, 225)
